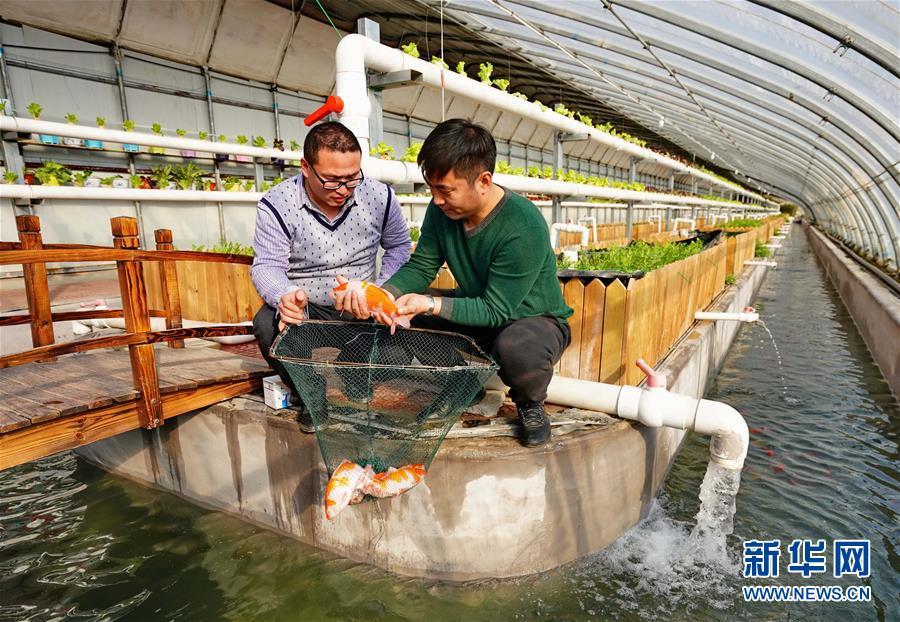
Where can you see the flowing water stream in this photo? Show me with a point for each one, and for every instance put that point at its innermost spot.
(77, 543)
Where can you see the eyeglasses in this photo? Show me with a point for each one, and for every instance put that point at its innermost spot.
(334, 184)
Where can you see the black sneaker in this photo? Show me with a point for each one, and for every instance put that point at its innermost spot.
(535, 424)
(304, 418)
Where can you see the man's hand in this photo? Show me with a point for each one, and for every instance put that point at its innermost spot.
(292, 308)
(351, 300)
(412, 304)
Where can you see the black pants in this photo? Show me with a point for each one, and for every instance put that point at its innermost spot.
(265, 329)
(526, 350)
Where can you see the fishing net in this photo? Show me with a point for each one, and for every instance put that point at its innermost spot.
(380, 399)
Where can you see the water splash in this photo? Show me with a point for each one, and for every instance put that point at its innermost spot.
(663, 563)
(778, 356)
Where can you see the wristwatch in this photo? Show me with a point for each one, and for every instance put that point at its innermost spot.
(430, 310)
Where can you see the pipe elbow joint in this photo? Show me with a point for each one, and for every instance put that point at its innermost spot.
(729, 434)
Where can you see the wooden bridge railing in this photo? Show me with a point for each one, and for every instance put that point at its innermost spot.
(33, 255)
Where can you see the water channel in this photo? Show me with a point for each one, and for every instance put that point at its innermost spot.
(77, 543)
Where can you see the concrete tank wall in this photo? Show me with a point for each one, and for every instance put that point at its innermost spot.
(874, 307)
(488, 507)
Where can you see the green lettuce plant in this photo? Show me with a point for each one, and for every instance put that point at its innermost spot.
(484, 73)
(412, 153)
(411, 48)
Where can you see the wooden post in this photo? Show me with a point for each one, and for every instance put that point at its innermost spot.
(168, 278)
(137, 320)
(37, 291)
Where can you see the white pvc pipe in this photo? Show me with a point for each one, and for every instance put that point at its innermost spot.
(556, 227)
(692, 224)
(761, 262)
(737, 316)
(356, 53)
(384, 170)
(590, 220)
(659, 221)
(23, 191)
(27, 126)
(654, 406)
(394, 172)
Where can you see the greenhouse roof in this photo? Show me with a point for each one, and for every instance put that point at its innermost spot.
(799, 99)
(802, 96)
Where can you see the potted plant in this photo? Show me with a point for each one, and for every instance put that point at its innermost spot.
(107, 182)
(80, 178)
(259, 141)
(187, 176)
(221, 157)
(53, 174)
(135, 181)
(162, 176)
(35, 110)
(128, 126)
(96, 144)
(382, 151)
(484, 73)
(10, 177)
(295, 146)
(156, 128)
(209, 184)
(119, 182)
(185, 153)
(242, 140)
(249, 185)
(233, 184)
(29, 177)
(412, 153)
(72, 119)
(411, 48)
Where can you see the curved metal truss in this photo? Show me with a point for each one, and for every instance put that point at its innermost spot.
(803, 97)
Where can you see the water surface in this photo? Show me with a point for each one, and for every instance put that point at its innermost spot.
(76, 543)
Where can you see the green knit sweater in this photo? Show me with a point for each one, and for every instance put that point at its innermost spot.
(504, 268)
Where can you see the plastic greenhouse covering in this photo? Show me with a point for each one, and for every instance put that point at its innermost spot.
(799, 99)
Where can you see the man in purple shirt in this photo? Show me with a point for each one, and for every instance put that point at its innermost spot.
(316, 227)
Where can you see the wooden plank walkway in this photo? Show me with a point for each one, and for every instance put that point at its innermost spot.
(80, 398)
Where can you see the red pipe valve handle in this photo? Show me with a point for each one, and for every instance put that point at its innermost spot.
(332, 104)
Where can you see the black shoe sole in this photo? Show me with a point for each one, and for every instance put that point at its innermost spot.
(532, 444)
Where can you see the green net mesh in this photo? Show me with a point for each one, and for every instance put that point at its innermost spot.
(380, 399)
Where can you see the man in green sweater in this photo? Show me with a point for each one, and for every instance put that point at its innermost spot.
(497, 245)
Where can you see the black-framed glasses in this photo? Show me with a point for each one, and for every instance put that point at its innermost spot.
(334, 184)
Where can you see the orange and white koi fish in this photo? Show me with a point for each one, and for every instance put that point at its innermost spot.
(350, 482)
(377, 299)
(395, 481)
(345, 486)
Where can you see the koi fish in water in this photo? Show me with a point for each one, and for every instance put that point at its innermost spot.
(350, 483)
(377, 299)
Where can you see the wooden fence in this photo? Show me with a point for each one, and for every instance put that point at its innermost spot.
(209, 292)
(130, 260)
(741, 248)
(614, 325)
